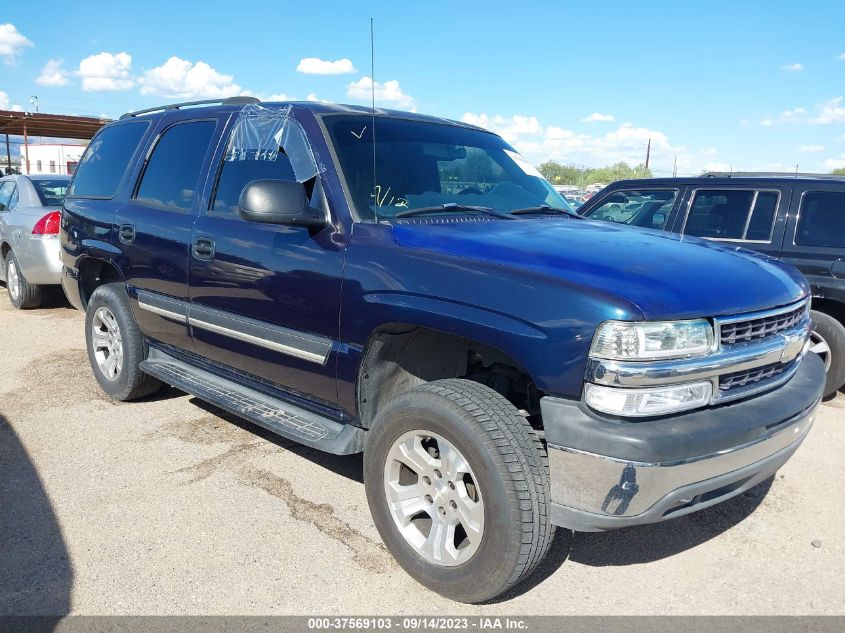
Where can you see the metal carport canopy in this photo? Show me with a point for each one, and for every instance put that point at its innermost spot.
(55, 125)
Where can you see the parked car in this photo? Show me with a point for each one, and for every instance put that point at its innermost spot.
(796, 218)
(30, 208)
(504, 365)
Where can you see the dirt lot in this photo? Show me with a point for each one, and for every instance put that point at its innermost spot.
(167, 507)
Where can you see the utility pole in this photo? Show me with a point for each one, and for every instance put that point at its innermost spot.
(33, 101)
(675, 167)
(648, 153)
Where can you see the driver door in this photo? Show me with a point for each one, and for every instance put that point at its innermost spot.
(265, 298)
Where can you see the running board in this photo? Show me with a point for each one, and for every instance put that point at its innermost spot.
(278, 416)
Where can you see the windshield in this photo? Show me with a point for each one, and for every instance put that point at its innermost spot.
(50, 192)
(422, 165)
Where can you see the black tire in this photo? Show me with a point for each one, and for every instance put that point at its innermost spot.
(831, 332)
(28, 295)
(512, 467)
(130, 382)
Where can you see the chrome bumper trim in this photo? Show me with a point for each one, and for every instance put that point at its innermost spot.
(613, 488)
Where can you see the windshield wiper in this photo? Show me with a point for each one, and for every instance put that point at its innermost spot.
(543, 209)
(451, 207)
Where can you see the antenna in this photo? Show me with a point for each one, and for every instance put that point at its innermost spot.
(373, 112)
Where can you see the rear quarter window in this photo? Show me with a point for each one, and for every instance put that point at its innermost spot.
(101, 168)
(821, 220)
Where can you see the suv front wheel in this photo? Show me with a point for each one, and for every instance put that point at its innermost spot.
(458, 485)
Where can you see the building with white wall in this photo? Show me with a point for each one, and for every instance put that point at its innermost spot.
(50, 158)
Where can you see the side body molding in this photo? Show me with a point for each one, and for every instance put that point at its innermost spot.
(304, 345)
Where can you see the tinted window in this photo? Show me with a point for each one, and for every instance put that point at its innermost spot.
(821, 221)
(172, 171)
(424, 165)
(732, 214)
(235, 174)
(106, 159)
(50, 192)
(648, 208)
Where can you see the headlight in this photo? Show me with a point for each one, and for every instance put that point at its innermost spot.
(621, 340)
(653, 401)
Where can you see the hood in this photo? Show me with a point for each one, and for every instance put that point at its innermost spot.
(666, 276)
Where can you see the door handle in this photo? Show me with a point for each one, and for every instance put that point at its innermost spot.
(203, 248)
(126, 233)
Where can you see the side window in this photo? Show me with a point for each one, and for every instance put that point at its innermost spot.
(236, 174)
(649, 208)
(6, 190)
(732, 214)
(821, 220)
(171, 173)
(101, 168)
(16, 196)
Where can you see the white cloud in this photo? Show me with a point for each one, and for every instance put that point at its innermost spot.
(12, 43)
(317, 66)
(811, 149)
(841, 57)
(793, 68)
(709, 151)
(5, 103)
(315, 98)
(106, 71)
(52, 74)
(598, 117)
(180, 79)
(625, 143)
(388, 92)
(510, 128)
(835, 163)
(279, 97)
(787, 116)
(831, 111)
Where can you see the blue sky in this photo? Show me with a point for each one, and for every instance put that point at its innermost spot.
(750, 85)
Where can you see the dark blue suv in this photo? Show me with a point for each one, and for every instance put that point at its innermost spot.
(411, 288)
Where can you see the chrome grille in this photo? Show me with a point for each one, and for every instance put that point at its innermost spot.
(753, 376)
(761, 327)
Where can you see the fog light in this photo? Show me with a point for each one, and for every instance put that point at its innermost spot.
(645, 402)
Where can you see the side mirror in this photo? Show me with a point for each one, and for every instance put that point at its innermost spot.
(278, 202)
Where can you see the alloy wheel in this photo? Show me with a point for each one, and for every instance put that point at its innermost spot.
(107, 343)
(434, 498)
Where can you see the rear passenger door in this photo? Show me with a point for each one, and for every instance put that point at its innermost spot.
(751, 217)
(153, 227)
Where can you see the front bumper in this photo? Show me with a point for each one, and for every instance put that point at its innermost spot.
(612, 472)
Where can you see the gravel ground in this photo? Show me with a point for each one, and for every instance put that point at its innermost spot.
(168, 507)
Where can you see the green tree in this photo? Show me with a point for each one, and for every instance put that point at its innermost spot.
(558, 174)
(839, 172)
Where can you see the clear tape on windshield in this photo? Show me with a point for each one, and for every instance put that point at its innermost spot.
(261, 133)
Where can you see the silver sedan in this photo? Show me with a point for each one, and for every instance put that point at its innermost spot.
(30, 214)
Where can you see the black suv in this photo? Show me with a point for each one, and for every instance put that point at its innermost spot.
(796, 218)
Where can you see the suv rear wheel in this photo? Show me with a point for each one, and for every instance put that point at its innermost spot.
(115, 345)
(458, 486)
(828, 341)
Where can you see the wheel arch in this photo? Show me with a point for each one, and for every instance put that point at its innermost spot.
(93, 273)
(399, 356)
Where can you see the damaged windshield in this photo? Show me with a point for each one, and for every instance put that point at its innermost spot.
(432, 166)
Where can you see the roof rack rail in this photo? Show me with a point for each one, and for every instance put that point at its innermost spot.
(769, 174)
(176, 106)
